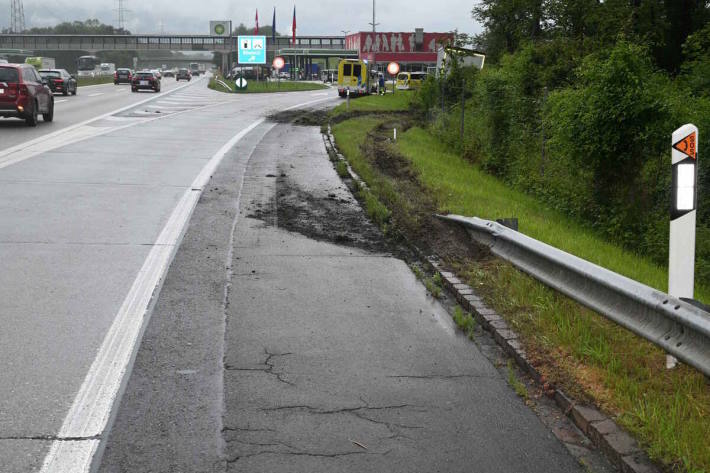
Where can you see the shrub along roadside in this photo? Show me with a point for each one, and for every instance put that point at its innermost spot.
(595, 146)
(588, 355)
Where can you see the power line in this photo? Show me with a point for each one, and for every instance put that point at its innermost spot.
(121, 12)
(17, 16)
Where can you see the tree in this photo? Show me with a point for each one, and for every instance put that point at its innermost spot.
(508, 23)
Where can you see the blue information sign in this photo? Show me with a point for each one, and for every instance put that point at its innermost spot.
(252, 50)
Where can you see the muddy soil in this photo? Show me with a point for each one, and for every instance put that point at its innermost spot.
(306, 117)
(415, 209)
(333, 218)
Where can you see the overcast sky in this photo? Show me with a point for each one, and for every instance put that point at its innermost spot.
(313, 17)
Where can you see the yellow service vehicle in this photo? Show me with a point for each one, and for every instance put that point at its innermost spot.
(410, 80)
(353, 76)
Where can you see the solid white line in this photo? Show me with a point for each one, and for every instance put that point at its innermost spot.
(60, 101)
(87, 420)
(96, 94)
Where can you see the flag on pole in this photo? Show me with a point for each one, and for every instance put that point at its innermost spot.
(273, 28)
(256, 30)
(293, 27)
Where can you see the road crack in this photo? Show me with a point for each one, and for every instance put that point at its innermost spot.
(268, 367)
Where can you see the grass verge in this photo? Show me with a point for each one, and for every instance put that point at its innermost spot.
(254, 87)
(396, 102)
(83, 81)
(592, 358)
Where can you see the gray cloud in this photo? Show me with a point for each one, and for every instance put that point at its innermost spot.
(314, 17)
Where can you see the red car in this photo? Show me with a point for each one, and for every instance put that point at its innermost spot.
(23, 94)
(145, 80)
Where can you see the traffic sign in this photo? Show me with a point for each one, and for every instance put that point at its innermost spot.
(687, 146)
(252, 50)
(279, 62)
(393, 68)
(241, 83)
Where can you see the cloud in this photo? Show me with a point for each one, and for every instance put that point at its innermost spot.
(314, 17)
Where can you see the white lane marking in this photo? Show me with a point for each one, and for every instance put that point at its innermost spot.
(60, 101)
(96, 94)
(320, 94)
(47, 142)
(91, 410)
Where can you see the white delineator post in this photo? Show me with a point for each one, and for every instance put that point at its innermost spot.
(681, 254)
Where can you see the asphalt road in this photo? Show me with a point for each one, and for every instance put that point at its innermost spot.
(89, 221)
(288, 339)
(284, 334)
(90, 102)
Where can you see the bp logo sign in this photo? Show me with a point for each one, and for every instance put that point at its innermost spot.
(221, 28)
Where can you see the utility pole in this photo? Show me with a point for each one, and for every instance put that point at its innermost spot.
(374, 30)
(17, 16)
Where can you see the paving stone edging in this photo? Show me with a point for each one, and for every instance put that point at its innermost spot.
(620, 447)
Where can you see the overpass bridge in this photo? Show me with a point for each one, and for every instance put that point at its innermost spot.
(302, 52)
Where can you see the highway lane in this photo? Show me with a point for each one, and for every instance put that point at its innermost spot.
(90, 102)
(89, 221)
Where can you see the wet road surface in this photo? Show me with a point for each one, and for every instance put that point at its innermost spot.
(287, 338)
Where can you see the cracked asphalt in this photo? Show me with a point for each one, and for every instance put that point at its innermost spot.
(288, 338)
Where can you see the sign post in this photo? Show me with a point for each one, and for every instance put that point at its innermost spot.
(393, 69)
(681, 254)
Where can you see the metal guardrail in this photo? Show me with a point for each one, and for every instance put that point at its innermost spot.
(678, 327)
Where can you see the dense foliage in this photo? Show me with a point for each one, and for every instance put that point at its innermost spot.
(577, 104)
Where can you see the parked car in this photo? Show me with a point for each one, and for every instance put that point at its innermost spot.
(122, 75)
(23, 95)
(145, 80)
(410, 80)
(183, 74)
(59, 81)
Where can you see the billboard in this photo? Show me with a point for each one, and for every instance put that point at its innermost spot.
(398, 46)
(251, 50)
(221, 28)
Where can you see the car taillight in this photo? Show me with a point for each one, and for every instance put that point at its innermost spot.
(23, 90)
(58, 81)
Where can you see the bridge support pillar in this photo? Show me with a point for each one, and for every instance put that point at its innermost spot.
(225, 63)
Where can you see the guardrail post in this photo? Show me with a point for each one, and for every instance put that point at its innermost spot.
(681, 254)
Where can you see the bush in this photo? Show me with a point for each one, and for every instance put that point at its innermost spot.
(607, 125)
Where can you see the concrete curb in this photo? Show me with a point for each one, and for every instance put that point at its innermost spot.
(622, 449)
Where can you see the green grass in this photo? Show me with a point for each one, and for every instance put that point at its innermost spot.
(431, 284)
(592, 358)
(519, 387)
(341, 168)
(82, 81)
(399, 101)
(254, 87)
(463, 189)
(464, 321)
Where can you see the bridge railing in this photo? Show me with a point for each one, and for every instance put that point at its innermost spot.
(183, 42)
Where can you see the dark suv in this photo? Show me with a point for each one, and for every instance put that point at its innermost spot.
(24, 95)
(59, 81)
(122, 75)
(145, 80)
(183, 74)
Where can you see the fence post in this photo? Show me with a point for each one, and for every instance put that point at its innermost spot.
(463, 106)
